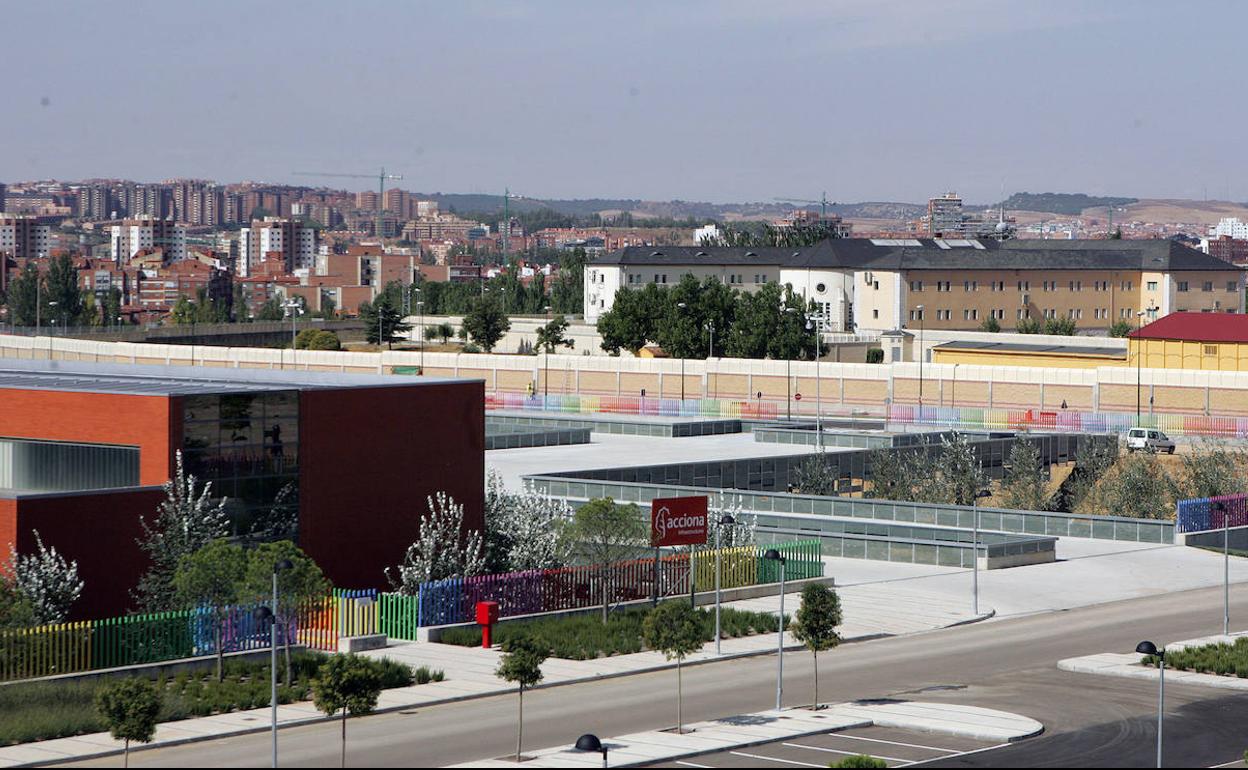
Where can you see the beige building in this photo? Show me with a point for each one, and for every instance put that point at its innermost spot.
(949, 284)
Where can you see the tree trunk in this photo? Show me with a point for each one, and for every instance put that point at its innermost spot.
(520, 725)
(680, 715)
(125, 762)
(815, 653)
(344, 738)
(606, 599)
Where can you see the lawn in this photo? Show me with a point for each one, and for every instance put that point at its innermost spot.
(585, 637)
(36, 711)
(1219, 659)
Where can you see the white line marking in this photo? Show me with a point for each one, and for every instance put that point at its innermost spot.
(773, 759)
(1232, 763)
(690, 764)
(963, 753)
(848, 753)
(895, 743)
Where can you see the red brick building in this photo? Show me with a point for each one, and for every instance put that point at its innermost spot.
(360, 455)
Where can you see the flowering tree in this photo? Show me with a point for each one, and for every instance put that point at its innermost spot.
(47, 580)
(522, 529)
(442, 549)
(187, 520)
(743, 529)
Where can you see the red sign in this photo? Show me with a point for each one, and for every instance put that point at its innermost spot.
(678, 521)
(797, 396)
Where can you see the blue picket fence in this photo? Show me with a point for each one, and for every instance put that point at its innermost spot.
(1199, 515)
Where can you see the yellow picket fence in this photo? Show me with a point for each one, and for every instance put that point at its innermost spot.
(739, 567)
(45, 650)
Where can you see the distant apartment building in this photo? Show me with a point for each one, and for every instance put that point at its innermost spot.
(23, 237)
(3, 191)
(1232, 227)
(1233, 250)
(947, 284)
(707, 234)
(135, 235)
(807, 218)
(438, 227)
(288, 242)
(944, 215)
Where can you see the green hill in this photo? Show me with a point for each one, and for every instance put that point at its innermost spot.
(1070, 204)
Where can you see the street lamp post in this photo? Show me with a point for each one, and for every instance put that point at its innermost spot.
(51, 305)
(1148, 648)
(788, 376)
(920, 312)
(546, 362)
(1226, 567)
(1139, 345)
(775, 556)
(270, 614)
(682, 306)
(294, 310)
(814, 322)
(591, 742)
(983, 493)
(710, 353)
(420, 305)
(724, 521)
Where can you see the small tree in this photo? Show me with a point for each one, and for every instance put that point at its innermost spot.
(554, 335)
(318, 339)
(129, 708)
(297, 586)
(858, 761)
(1120, 328)
(814, 476)
(442, 549)
(213, 577)
(604, 533)
(1028, 326)
(1213, 469)
(186, 520)
(486, 322)
(48, 580)
(522, 529)
(522, 665)
(959, 474)
(674, 629)
(1024, 486)
(346, 684)
(814, 624)
(991, 325)
(1137, 486)
(445, 332)
(382, 322)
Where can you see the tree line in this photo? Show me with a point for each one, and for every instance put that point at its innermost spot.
(693, 319)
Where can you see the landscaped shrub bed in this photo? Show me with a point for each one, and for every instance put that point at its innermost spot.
(38, 711)
(584, 637)
(1220, 659)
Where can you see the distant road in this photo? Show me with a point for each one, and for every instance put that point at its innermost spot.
(1010, 665)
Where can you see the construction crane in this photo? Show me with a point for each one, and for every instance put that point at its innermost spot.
(381, 189)
(823, 203)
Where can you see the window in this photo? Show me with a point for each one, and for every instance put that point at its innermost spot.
(1024, 285)
(916, 315)
(1208, 286)
(1152, 286)
(970, 286)
(876, 285)
(916, 286)
(820, 288)
(1182, 285)
(875, 313)
(944, 315)
(970, 315)
(1232, 286)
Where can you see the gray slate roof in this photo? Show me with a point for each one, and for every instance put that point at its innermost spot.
(933, 254)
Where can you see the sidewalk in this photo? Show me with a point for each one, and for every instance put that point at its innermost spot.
(1128, 666)
(768, 726)
(870, 611)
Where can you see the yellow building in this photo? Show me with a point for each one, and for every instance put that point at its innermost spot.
(1073, 356)
(1211, 341)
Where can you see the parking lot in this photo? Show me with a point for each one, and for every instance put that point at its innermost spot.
(898, 748)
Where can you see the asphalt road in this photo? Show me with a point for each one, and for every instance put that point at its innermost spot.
(1010, 665)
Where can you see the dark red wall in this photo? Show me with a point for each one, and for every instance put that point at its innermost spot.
(152, 423)
(97, 529)
(369, 457)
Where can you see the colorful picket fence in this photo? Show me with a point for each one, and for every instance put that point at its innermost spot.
(573, 403)
(398, 616)
(446, 602)
(1199, 514)
(1068, 420)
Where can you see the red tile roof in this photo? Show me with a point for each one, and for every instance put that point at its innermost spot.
(1198, 327)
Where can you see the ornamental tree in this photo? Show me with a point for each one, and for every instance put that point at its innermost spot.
(674, 629)
(522, 665)
(129, 707)
(814, 624)
(348, 685)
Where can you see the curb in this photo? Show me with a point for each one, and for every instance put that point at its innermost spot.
(303, 722)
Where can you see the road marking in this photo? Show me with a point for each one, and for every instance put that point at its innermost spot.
(1232, 763)
(895, 743)
(847, 753)
(962, 754)
(774, 759)
(690, 764)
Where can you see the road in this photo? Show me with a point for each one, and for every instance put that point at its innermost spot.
(1010, 665)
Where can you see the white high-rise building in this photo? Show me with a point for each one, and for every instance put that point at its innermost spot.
(24, 237)
(1231, 226)
(145, 233)
(285, 240)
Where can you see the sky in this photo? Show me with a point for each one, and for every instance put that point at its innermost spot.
(716, 100)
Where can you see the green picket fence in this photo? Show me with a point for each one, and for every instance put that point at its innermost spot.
(802, 559)
(398, 616)
(137, 639)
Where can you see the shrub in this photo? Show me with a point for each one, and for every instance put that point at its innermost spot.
(859, 760)
(875, 355)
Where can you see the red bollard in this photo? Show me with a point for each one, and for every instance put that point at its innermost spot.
(487, 616)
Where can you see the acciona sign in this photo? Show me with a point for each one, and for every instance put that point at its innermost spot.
(678, 521)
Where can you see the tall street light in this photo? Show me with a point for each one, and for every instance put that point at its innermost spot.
(270, 614)
(919, 309)
(1139, 348)
(813, 323)
(591, 742)
(981, 494)
(293, 309)
(546, 361)
(1148, 648)
(1226, 567)
(420, 305)
(788, 376)
(775, 556)
(724, 521)
(710, 353)
(682, 306)
(51, 306)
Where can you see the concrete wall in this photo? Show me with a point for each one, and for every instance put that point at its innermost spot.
(840, 387)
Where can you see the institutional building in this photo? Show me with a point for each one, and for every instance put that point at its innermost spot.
(877, 285)
(349, 460)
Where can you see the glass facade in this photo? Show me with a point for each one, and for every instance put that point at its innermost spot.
(247, 445)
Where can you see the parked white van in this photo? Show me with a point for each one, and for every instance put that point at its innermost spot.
(1149, 440)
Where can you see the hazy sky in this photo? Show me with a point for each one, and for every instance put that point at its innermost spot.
(731, 100)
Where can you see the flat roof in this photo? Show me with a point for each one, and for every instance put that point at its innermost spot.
(151, 380)
(1024, 347)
